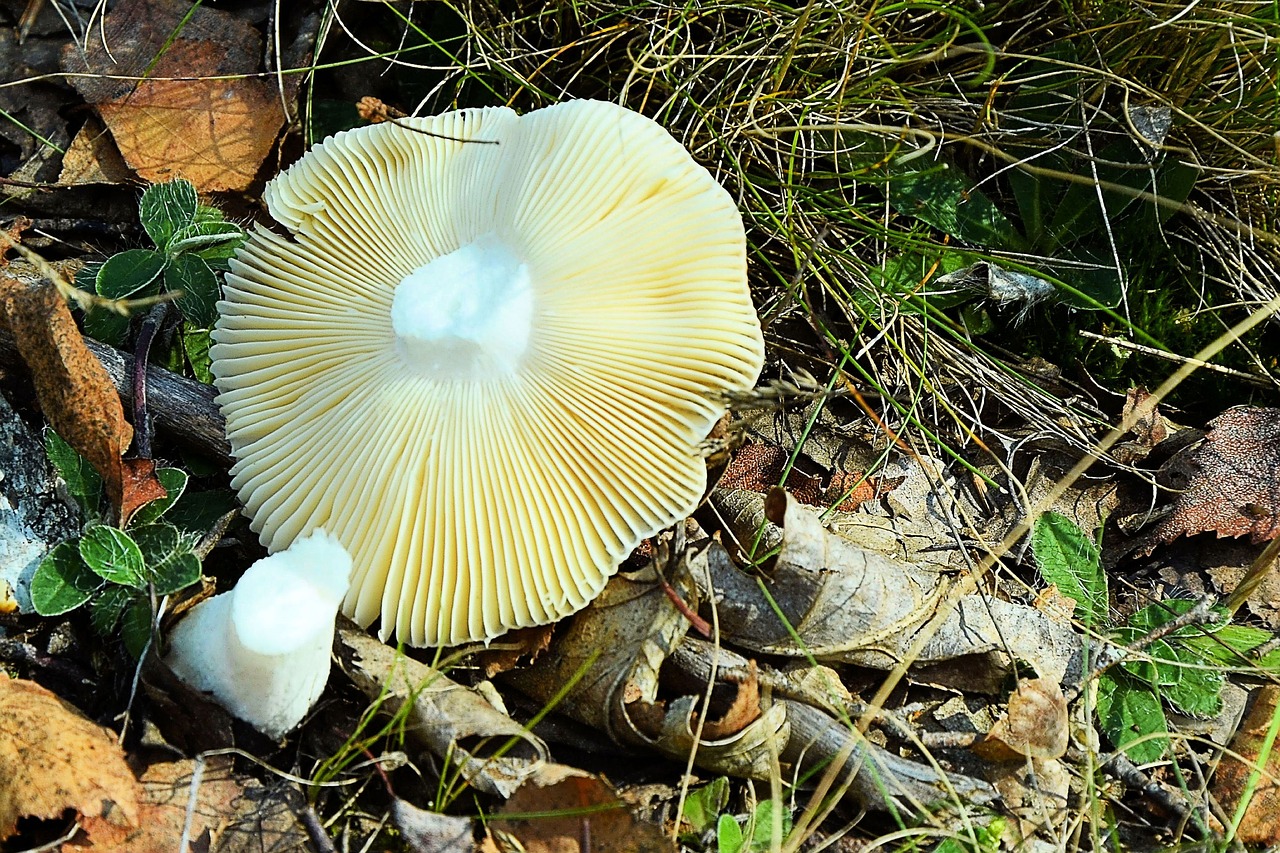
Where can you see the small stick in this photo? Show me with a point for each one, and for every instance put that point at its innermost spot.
(1181, 359)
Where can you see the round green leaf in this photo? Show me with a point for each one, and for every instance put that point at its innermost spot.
(62, 582)
(192, 276)
(129, 272)
(113, 556)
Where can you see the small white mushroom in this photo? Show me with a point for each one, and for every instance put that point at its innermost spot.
(262, 649)
(486, 368)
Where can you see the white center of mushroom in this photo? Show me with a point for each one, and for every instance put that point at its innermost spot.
(466, 314)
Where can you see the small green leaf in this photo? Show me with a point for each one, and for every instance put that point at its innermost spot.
(1071, 560)
(946, 199)
(130, 272)
(1151, 671)
(171, 564)
(1129, 711)
(728, 835)
(107, 326)
(207, 239)
(761, 827)
(174, 481)
(62, 582)
(196, 343)
(107, 607)
(167, 207)
(703, 806)
(199, 286)
(113, 556)
(135, 627)
(83, 483)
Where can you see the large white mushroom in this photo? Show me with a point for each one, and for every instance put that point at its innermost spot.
(484, 362)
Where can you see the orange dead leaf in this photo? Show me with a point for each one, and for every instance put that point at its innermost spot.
(375, 111)
(92, 158)
(53, 759)
(215, 132)
(75, 393)
(744, 710)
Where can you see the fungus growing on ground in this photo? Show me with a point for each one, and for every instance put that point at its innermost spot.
(262, 649)
(486, 368)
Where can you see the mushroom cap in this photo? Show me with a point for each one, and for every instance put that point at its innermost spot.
(485, 368)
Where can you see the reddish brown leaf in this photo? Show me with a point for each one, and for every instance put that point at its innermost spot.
(213, 132)
(139, 486)
(759, 467)
(566, 810)
(1233, 487)
(53, 759)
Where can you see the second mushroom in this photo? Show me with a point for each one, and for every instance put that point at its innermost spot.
(484, 358)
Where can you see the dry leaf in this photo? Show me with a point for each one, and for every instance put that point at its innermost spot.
(569, 811)
(74, 390)
(852, 605)
(759, 467)
(1261, 823)
(53, 759)
(213, 132)
(1233, 481)
(92, 158)
(744, 710)
(230, 814)
(1035, 726)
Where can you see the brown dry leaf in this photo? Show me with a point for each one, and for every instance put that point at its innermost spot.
(213, 132)
(521, 644)
(74, 390)
(1261, 823)
(53, 759)
(759, 467)
(430, 832)
(1233, 488)
(1035, 725)
(583, 812)
(92, 158)
(230, 814)
(1148, 430)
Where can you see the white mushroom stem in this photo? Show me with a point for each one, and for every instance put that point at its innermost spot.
(262, 649)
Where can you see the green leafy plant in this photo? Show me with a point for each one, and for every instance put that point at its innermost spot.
(704, 813)
(1182, 670)
(193, 244)
(115, 571)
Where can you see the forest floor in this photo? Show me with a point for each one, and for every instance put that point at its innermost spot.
(985, 559)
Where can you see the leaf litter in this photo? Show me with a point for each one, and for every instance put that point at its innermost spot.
(857, 558)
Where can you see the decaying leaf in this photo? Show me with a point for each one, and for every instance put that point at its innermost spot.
(614, 652)
(53, 759)
(1035, 725)
(848, 604)
(230, 813)
(760, 467)
(563, 810)
(214, 132)
(92, 158)
(1261, 823)
(75, 392)
(1232, 483)
(448, 718)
